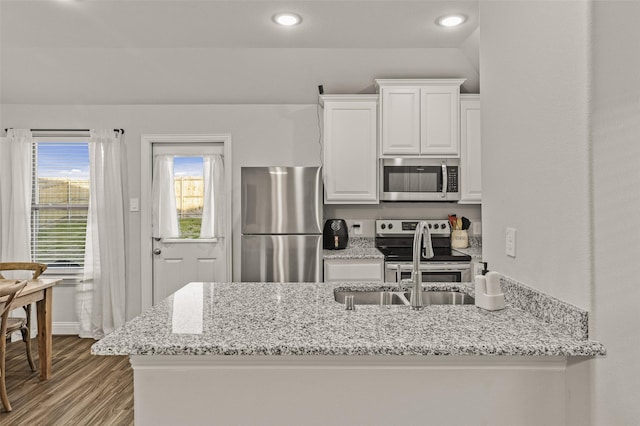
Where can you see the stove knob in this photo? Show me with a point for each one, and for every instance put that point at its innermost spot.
(390, 225)
(429, 226)
(436, 226)
(383, 226)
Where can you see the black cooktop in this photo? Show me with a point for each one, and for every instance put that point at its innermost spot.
(439, 255)
(401, 250)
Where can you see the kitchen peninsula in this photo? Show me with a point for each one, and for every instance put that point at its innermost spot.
(267, 353)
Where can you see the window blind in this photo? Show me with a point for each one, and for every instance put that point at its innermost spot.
(60, 201)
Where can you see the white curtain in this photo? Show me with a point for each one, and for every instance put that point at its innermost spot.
(15, 197)
(101, 297)
(213, 211)
(163, 195)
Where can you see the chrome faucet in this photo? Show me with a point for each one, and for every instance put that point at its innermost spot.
(421, 245)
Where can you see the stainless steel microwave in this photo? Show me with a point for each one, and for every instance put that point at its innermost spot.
(419, 179)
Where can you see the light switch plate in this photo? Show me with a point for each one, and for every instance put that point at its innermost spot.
(510, 242)
(134, 204)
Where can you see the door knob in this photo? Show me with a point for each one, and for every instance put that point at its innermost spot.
(157, 251)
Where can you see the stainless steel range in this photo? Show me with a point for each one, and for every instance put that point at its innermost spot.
(394, 238)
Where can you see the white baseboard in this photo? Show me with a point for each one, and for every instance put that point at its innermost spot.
(57, 328)
(60, 328)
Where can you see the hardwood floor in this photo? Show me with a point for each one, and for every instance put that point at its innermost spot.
(83, 390)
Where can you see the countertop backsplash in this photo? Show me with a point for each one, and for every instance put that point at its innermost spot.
(564, 316)
(475, 242)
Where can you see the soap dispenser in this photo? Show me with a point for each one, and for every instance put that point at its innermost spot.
(489, 295)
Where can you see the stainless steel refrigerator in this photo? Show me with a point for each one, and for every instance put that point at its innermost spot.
(281, 224)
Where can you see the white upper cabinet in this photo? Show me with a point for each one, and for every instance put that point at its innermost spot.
(470, 155)
(350, 149)
(400, 112)
(439, 119)
(420, 117)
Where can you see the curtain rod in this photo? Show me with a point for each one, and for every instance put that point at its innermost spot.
(66, 130)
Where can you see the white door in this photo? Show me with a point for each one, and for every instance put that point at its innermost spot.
(184, 255)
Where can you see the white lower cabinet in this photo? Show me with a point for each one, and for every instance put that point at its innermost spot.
(336, 270)
(350, 149)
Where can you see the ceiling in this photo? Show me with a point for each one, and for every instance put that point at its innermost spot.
(183, 51)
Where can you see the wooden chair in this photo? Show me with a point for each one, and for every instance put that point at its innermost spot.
(9, 289)
(22, 324)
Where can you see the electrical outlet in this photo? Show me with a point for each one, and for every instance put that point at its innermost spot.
(357, 227)
(510, 242)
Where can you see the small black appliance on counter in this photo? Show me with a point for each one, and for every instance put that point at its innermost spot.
(335, 235)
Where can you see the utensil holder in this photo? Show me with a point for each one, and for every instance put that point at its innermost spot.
(459, 238)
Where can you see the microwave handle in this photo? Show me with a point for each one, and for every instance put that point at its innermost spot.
(445, 182)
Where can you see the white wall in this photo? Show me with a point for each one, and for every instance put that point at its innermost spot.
(535, 157)
(616, 191)
(215, 76)
(262, 135)
(561, 103)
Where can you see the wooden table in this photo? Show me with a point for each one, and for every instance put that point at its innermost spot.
(41, 292)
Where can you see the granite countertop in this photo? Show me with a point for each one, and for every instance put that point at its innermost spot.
(474, 252)
(353, 253)
(357, 248)
(304, 319)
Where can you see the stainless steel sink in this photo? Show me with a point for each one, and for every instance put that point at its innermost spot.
(402, 297)
(445, 298)
(373, 297)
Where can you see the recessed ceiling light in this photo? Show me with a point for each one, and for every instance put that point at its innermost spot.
(287, 19)
(451, 20)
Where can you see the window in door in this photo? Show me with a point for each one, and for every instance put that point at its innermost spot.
(188, 175)
(60, 202)
(187, 191)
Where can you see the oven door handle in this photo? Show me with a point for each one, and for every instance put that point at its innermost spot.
(429, 267)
